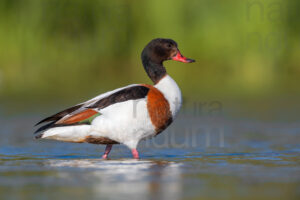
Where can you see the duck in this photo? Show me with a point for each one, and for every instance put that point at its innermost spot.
(125, 115)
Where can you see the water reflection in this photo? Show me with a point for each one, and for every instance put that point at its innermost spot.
(115, 179)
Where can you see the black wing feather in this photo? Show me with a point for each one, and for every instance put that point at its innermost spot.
(132, 93)
(60, 115)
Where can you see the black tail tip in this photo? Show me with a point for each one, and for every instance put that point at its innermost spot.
(38, 136)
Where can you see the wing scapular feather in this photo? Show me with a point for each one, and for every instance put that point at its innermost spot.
(132, 93)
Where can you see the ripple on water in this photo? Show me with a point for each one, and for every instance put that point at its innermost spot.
(255, 161)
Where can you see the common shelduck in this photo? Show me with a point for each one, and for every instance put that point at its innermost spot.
(126, 115)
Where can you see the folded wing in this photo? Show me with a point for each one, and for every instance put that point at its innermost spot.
(86, 112)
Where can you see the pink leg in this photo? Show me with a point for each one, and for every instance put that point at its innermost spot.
(107, 150)
(135, 153)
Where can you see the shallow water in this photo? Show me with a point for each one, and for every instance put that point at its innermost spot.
(196, 158)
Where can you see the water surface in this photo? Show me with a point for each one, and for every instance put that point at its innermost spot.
(196, 158)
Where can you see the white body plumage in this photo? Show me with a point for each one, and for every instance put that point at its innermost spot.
(125, 122)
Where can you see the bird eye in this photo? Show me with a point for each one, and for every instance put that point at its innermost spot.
(169, 45)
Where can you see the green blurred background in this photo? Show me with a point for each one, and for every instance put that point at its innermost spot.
(66, 51)
(241, 97)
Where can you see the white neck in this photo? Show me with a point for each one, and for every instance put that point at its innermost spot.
(172, 93)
